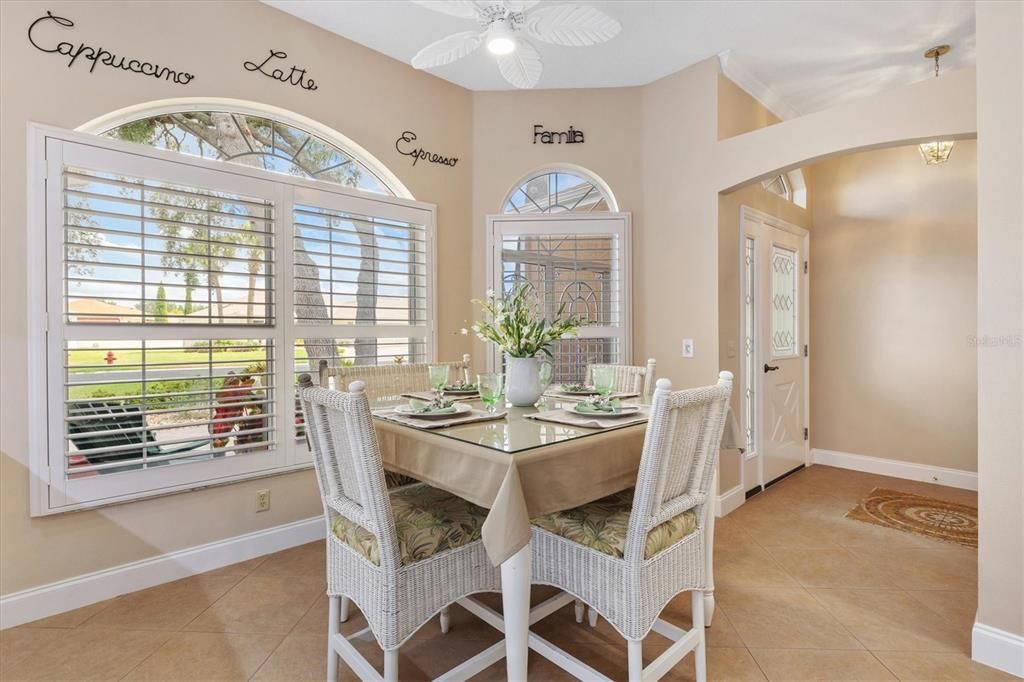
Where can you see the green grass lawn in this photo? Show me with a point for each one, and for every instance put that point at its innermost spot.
(129, 359)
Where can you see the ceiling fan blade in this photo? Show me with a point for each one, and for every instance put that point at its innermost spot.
(571, 25)
(447, 50)
(519, 5)
(523, 67)
(464, 9)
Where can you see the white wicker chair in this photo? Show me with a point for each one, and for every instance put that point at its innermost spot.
(390, 381)
(629, 378)
(678, 462)
(396, 598)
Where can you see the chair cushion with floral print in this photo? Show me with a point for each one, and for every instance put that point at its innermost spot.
(428, 521)
(601, 525)
(393, 479)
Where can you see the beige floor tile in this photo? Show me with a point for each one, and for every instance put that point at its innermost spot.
(782, 618)
(958, 608)
(749, 566)
(929, 667)
(260, 605)
(787, 529)
(890, 620)
(299, 657)
(79, 654)
(240, 569)
(70, 619)
(946, 567)
(720, 634)
(170, 606)
(808, 664)
(207, 656)
(315, 620)
(826, 567)
(304, 561)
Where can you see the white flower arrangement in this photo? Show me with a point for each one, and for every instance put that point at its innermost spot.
(517, 325)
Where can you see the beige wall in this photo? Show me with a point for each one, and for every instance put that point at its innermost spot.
(738, 112)
(894, 306)
(1001, 317)
(368, 97)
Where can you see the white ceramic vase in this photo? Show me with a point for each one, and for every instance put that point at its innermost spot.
(522, 381)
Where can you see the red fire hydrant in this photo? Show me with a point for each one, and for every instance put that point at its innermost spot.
(110, 358)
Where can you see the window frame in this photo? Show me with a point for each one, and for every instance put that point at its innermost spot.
(50, 493)
(569, 169)
(618, 224)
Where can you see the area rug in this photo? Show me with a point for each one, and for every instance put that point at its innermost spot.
(918, 514)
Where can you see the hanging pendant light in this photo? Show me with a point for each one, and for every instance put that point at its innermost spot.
(938, 151)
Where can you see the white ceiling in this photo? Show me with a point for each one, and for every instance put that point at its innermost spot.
(797, 56)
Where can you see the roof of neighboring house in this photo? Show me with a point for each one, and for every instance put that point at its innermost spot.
(87, 307)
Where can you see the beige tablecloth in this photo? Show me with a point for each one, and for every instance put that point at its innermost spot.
(522, 485)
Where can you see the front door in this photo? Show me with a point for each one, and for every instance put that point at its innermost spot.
(775, 259)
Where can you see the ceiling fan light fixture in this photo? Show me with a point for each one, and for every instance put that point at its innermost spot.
(500, 39)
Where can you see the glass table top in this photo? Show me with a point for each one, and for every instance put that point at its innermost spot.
(515, 433)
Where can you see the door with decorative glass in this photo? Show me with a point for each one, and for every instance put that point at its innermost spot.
(775, 345)
(581, 261)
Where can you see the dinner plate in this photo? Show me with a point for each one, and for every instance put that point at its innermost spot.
(625, 411)
(453, 411)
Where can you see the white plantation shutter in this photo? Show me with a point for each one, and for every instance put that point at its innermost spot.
(579, 262)
(183, 297)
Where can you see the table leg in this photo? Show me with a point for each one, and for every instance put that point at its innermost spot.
(709, 553)
(515, 601)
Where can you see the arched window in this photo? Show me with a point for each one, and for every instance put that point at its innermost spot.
(790, 186)
(254, 141)
(777, 184)
(560, 190)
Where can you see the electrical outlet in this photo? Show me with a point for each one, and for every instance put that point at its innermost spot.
(687, 348)
(262, 500)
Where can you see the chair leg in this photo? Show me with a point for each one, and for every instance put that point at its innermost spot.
(635, 650)
(345, 604)
(333, 628)
(391, 666)
(700, 652)
(592, 617)
(579, 610)
(446, 620)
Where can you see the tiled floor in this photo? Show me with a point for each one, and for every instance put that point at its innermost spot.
(803, 594)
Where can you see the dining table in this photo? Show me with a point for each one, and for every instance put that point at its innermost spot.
(520, 463)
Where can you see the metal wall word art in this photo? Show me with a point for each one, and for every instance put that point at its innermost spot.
(404, 147)
(99, 55)
(570, 136)
(295, 76)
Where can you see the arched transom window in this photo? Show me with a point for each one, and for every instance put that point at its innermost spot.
(254, 141)
(558, 191)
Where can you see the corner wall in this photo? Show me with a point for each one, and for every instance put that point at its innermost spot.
(999, 629)
(894, 306)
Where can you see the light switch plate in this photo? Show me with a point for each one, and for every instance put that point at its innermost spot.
(730, 349)
(687, 348)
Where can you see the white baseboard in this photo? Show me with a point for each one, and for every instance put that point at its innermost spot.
(729, 500)
(47, 600)
(956, 478)
(998, 649)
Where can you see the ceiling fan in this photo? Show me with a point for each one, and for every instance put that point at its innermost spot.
(506, 24)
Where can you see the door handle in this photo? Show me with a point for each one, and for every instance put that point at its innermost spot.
(770, 368)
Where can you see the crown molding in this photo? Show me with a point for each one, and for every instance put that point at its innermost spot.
(736, 71)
